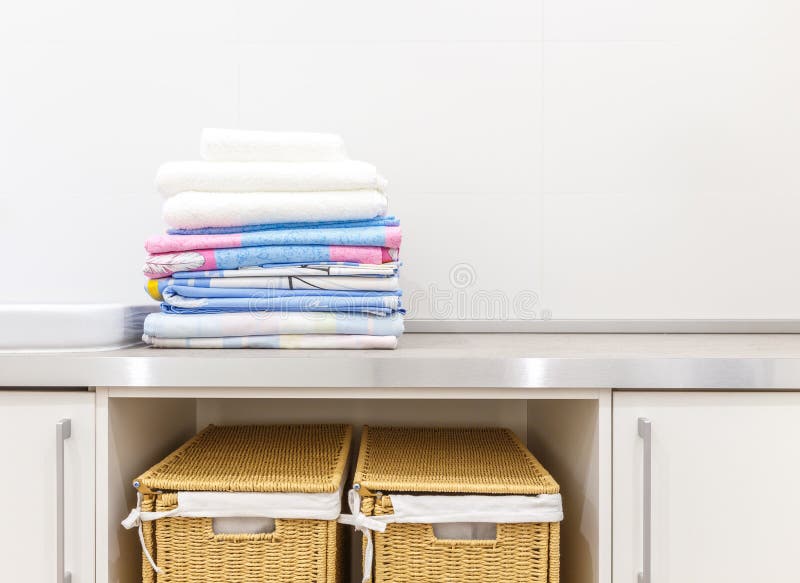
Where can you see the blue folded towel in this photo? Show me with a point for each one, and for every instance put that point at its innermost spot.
(266, 323)
(193, 300)
(377, 222)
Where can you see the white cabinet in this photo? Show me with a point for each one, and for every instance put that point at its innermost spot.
(725, 479)
(30, 485)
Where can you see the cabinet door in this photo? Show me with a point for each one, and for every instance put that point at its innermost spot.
(725, 471)
(29, 533)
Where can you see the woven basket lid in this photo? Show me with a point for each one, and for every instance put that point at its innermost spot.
(449, 460)
(255, 458)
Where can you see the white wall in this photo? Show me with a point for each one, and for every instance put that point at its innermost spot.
(616, 158)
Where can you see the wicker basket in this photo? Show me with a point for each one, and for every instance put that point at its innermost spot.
(460, 467)
(270, 461)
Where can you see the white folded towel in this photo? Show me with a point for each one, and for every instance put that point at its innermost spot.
(220, 145)
(197, 210)
(175, 177)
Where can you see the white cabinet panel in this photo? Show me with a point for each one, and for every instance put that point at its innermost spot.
(28, 449)
(724, 483)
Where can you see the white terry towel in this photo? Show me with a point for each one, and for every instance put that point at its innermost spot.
(218, 145)
(197, 210)
(175, 177)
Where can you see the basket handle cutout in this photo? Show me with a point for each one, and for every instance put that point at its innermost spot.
(243, 525)
(463, 531)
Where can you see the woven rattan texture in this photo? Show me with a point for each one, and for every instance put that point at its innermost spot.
(255, 458)
(188, 551)
(411, 553)
(455, 460)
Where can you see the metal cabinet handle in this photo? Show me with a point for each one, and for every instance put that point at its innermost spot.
(63, 431)
(645, 432)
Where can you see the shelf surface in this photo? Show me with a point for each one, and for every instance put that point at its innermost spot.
(622, 361)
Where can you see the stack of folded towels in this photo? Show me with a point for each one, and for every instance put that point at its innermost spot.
(276, 240)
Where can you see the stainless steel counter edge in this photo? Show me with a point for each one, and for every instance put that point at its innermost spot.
(450, 361)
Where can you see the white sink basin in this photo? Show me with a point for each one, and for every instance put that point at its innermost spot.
(70, 327)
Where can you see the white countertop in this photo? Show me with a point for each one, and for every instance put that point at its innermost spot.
(624, 361)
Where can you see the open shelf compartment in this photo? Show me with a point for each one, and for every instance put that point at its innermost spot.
(567, 430)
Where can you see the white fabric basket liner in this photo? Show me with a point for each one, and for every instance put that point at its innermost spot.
(286, 505)
(238, 512)
(472, 508)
